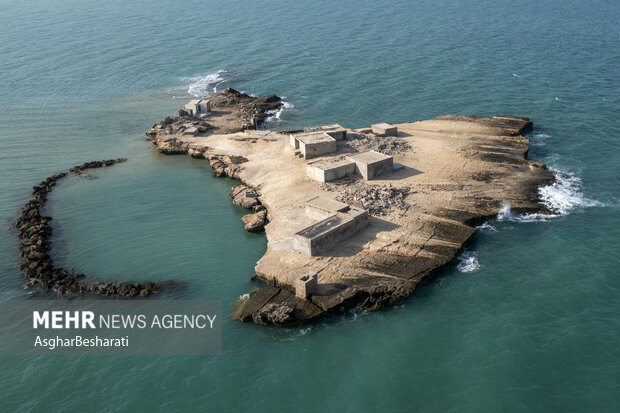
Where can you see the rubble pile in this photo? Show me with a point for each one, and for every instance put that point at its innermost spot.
(387, 145)
(378, 200)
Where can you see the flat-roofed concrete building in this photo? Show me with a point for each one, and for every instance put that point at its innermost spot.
(384, 129)
(326, 234)
(334, 130)
(313, 144)
(371, 164)
(320, 208)
(326, 170)
(198, 108)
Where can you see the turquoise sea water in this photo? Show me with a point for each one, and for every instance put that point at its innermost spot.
(529, 321)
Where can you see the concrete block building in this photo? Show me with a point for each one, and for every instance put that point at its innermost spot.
(384, 129)
(198, 108)
(326, 234)
(334, 130)
(371, 164)
(313, 144)
(326, 171)
(320, 208)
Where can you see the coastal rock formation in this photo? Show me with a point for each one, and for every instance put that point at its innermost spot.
(255, 222)
(231, 112)
(247, 197)
(37, 265)
(457, 171)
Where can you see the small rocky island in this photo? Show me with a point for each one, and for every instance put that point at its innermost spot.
(355, 218)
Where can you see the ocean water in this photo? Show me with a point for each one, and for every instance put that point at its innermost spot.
(528, 320)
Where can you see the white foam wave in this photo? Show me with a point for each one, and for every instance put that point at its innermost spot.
(538, 139)
(487, 228)
(204, 86)
(506, 214)
(274, 115)
(565, 194)
(468, 262)
(561, 198)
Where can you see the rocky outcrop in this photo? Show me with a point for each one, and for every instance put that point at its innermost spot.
(274, 305)
(255, 222)
(247, 197)
(37, 265)
(231, 111)
(244, 196)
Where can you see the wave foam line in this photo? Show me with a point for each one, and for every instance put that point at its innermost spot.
(468, 261)
(206, 85)
(274, 115)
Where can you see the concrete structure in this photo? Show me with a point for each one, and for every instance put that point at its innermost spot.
(313, 144)
(320, 208)
(384, 129)
(334, 130)
(294, 142)
(325, 171)
(329, 232)
(371, 164)
(198, 108)
(306, 286)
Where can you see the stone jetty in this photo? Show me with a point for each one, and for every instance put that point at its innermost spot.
(35, 246)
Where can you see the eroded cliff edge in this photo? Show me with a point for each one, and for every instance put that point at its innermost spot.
(457, 172)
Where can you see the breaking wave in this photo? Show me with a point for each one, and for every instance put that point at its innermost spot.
(565, 194)
(468, 261)
(561, 198)
(538, 139)
(487, 228)
(204, 86)
(274, 115)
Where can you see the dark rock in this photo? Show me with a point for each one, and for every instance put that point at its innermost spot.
(35, 232)
(273, 313)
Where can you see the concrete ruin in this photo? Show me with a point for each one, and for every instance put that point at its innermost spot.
(334, 130)
(384, 129)
(198, 108)
(326, 234)
(371, 164)
(313, 144)
(327, 170)
(306, 286)
(320, 208)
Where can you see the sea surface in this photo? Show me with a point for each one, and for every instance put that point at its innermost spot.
(529, 320)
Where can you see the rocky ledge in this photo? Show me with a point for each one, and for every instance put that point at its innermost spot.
(457, 171)
(37, 265)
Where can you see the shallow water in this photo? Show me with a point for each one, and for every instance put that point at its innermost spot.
(532, 325)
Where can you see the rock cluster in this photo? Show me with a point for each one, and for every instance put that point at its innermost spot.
(379, 200)
(247, 197)
(251, 111)
(388, 145)
(37, 265)
(184, 124)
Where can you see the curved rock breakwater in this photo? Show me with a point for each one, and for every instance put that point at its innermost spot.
(37, 265)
